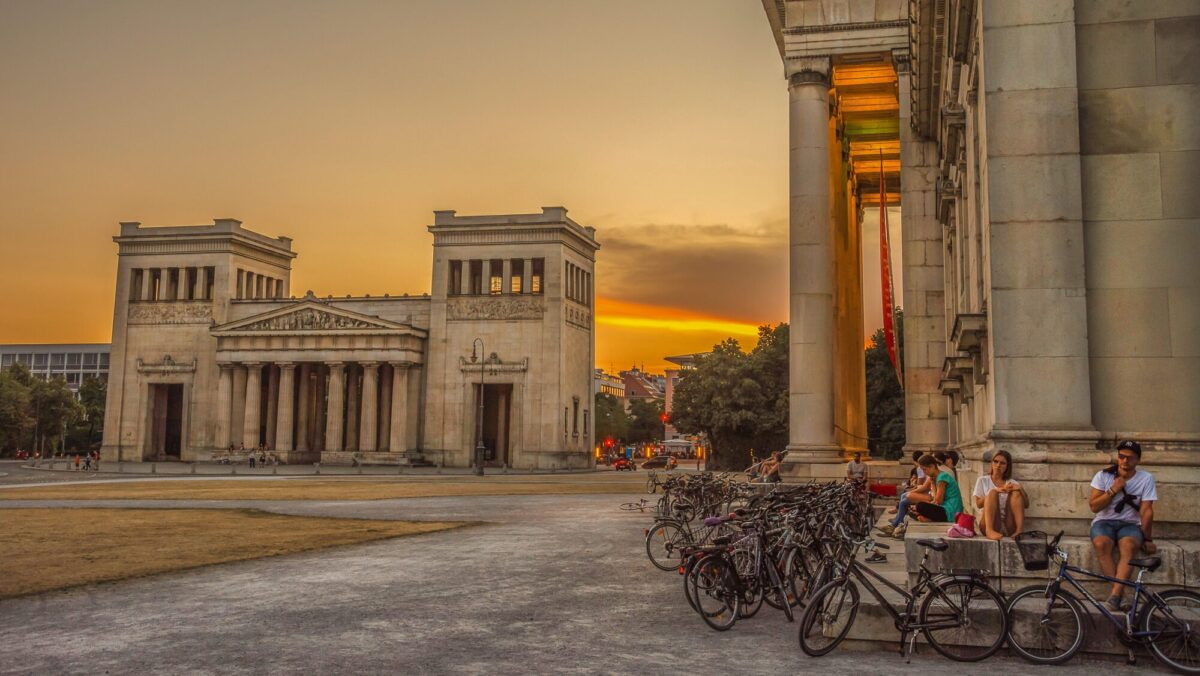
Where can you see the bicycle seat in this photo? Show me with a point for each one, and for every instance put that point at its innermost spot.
(1150, 563)
(935, 545)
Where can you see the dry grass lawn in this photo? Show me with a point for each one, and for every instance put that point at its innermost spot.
(317, 489)
(47, 549)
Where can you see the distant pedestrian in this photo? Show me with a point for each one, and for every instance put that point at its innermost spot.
(87, 462)
(76, 462)
(251, 459)
(96, 462)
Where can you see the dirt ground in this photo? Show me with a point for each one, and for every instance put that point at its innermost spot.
(323, 489)
(46, 549)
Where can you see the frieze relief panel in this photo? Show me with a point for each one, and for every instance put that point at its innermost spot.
(580, 318)
(170, 313)
(496, 307)
(308, 319)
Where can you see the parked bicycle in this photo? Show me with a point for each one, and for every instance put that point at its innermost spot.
(1047, 622)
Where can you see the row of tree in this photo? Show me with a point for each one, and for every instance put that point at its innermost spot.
(642, 423)
(739, 399)
(44, 415)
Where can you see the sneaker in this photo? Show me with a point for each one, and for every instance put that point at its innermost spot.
(898, 533)
(1115, 604)
(887, 529)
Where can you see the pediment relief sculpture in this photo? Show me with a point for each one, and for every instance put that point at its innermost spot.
(309, 319)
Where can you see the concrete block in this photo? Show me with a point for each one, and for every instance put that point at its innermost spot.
(891, 10)
(1177, 176)
(934, 253)
(1104, 11)
(1128, 323)
(1184, 308)
(1037, 255)
(1060, 318)
(1022, 12)
(1121, 187)
(1129, 393)
(1177, 50)
(1113, 121)
(1045, 392)
(1034, 188)
(1039, 56)
(1116, 54)
(1142, 254)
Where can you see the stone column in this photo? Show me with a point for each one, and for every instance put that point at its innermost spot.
(527, 276)
(486, 283)
(284, 419)
(385, 407)
(506, 279)
(272, 403)
(399, 412)
(320, 411)
(464, 280)
(147, 278)
(224, 404)
(250, 426)
(811, 431)
(369, 428)
(333, 419)
(352, 408)
(237, 416)
(302, 398)
(201, 283)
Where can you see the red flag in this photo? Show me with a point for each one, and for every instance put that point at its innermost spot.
(889, 306)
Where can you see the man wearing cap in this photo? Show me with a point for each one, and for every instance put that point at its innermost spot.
(1123, 500)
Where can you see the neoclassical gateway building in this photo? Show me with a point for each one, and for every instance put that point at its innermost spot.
(211, 350)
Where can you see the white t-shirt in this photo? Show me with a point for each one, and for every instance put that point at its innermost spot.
(1140, 485)
(985, 485)
(856, 470)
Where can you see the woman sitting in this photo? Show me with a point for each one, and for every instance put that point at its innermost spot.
(1002, 500)
(945, 502)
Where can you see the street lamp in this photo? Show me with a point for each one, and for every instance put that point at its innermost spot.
(480, 451)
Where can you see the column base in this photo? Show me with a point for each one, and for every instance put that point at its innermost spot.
(806, 462)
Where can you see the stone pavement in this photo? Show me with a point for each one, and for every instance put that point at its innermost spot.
(552, 584)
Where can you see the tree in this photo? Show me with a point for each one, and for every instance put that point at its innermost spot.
(92, 396)
(885, 397)
(14, 409)
(645, 420)
(54, 408)
(611, 420)
(739, 400)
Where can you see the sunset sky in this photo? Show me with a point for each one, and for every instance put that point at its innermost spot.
(344, 125)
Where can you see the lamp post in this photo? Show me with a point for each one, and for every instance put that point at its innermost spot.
(480, 451)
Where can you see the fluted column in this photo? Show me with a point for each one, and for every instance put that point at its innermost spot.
(369, 430)
(527, 276)
(237, 415)
(250, 426)
(333, 418)
(283, 417)
(486, 284)
(464, 280)
(506, 277)
(302, 398)
(272, 403)
(224, 404)
(385, 407)
(352, 408)
(319, 407)
(398, 433)
(811, 422)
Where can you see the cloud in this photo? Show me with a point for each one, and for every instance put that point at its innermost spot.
(715, 270)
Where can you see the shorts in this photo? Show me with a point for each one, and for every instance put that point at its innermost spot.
(935, 513)
(1117, 530)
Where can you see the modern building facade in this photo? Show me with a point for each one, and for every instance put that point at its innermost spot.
(1044, 157)
(211, 352)
(74, 362)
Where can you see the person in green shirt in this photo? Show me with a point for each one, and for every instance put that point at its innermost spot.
(946, 500)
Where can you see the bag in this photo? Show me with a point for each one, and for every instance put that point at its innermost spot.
(964, 526)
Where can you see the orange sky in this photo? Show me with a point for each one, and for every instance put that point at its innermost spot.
(345, 124)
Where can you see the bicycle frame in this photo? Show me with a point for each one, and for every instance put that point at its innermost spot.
(1118, 621)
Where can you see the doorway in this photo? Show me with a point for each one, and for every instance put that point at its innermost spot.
(497, 409)
(166, 438)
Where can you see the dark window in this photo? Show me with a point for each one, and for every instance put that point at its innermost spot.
(455, 277)
(539, 272)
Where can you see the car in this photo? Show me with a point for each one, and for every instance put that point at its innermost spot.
(624, 463)
(22, 455)
(661, 462)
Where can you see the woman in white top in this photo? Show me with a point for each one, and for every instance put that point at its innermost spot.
(1002, 500)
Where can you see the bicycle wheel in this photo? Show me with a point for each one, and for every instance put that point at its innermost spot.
(714, 588)
(1045, 630)
(1175, 642)
(752, 602)
(828, 617)
(663, 543)
(967, 617)
(633, 507)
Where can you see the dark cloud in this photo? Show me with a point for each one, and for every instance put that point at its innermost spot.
(715, 269)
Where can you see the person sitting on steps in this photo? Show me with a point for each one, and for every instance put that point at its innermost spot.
(1123, 499)
(1001, 499)
(944, 503)
(922, 485)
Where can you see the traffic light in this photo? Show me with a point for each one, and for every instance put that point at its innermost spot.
(608, 443)
(664, 417)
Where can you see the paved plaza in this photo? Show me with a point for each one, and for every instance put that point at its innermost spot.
(550, 584)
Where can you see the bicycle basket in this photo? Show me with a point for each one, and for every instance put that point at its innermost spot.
(1034, 548)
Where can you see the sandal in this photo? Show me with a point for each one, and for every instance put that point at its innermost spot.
(876, 557)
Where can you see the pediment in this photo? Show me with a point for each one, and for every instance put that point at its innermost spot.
(308, 316)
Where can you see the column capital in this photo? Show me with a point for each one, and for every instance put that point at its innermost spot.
(332, 364)
(400, 364)
(285, 364)
(251, 364)
(368, 364)
(809, 70)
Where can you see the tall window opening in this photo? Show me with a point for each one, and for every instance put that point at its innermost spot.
(518, 275)
(539, 273)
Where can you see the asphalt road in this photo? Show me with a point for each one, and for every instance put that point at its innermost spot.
(551, 584)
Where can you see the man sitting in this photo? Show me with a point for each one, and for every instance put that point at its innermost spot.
(1123, 500)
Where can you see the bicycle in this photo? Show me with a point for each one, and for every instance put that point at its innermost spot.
(1046, 621)
(961, 615)
(639, 506)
